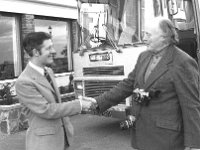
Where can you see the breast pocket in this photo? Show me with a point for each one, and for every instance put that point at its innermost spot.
(168, 124)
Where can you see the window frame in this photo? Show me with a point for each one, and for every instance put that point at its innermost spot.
(16, 39)
(69, 45)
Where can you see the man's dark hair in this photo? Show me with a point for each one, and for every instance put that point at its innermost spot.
(34, 40)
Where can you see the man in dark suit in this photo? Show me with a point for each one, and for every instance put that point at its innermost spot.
(170, 121)
(48, 118)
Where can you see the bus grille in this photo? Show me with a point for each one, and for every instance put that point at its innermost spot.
(95, 88)
(113, 71)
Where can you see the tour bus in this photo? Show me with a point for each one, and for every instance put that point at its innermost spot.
(111, 38)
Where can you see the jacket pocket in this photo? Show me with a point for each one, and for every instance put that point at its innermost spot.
(45, 131)
(167, 124)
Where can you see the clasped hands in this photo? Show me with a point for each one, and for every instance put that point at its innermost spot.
(88, 103)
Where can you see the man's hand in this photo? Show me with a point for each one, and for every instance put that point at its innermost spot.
(88, 103)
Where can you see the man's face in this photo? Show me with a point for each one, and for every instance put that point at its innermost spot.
(154, 38)
(47, 53)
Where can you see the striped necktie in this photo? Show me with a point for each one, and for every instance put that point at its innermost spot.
(46, 74)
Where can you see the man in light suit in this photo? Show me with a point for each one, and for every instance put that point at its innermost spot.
(170, 121)
(48, 118)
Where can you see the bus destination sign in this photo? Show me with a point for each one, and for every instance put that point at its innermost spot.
(106, 56)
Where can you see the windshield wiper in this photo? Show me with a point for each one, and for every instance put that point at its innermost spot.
(113, 44)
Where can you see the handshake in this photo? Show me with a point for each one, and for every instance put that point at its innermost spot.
(88, 103)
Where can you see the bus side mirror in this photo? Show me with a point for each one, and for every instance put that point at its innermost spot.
(172, 6)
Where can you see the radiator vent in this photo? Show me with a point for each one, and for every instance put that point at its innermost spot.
(112, 71)
(95, 88)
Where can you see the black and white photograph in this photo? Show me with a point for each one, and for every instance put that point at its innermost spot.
(99, 75)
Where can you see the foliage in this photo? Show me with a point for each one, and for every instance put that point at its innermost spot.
(6, 95)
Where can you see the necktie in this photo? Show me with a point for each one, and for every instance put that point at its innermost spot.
(46, 74)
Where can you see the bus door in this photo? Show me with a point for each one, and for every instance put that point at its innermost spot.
(185, 15)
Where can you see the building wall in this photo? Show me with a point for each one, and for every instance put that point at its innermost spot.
(27, 24)
(27, 10)
(54, 8)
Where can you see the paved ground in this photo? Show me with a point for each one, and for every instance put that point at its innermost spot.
(91, 133)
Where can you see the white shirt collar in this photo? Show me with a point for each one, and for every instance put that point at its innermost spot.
(37, 68)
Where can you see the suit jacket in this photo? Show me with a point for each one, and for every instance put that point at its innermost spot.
(171, 121)
(48, 120)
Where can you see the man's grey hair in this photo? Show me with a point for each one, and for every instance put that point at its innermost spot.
(168, 30)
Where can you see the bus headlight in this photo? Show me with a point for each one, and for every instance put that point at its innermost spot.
(78, 85)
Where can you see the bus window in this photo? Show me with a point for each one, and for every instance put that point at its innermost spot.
(184, 22)
(108, 23)
(92, 19)
(150, 10)
(184, 19)
(128, 23)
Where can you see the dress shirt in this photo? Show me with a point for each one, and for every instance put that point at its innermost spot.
(155, 59)
(37, 68)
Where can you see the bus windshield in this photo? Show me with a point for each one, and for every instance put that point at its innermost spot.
(184, 18)
(151, 9)
(107, 23)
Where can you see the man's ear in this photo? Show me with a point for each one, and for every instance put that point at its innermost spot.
(35, 52)
(164, 39)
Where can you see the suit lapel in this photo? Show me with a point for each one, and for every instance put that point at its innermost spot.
(40, 79)
(144, 68)
(143, 64)
(161, 67)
